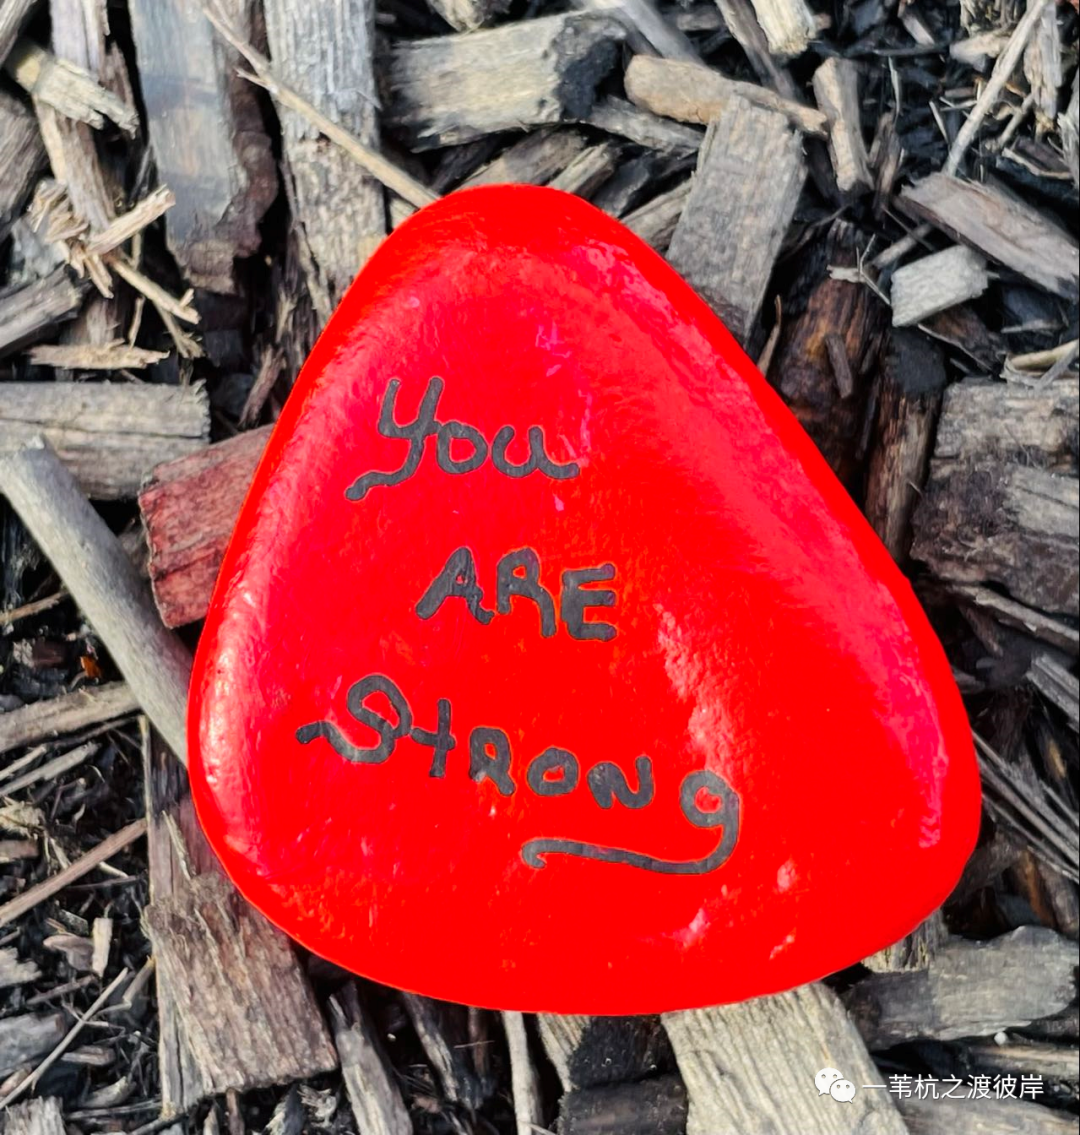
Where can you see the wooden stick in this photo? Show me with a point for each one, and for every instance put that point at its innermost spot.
(525, 1084)
(66, 714)
(99, 575)
(108, 847)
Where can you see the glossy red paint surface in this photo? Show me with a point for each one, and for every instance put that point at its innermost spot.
(763, 637)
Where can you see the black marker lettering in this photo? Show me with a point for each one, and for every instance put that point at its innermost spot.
(608, 783)
(573, 602)
(527, 585)
(557, 761)
(537, 459)
(442, 740)
(459, 431)
(389, 733)
(458, 579)
(487, 766)
(416, 432)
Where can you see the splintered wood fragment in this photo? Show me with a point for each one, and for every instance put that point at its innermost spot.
(68, 713)
(909, 401)
(647, 30)
(935, 283)
(39, 892)
(592, 1052)
(651, 1107)
(836, 88)
(1001, 503)
(525, 1083)
(245, 1007)
(788, 25)
(124, 227)
(116, 355)
(101, 936)
(914, 950)
(458, 87)
(1057, 685)
(956, 1115)
(35, 1117)
(1069, 126)
(589, 170)
(692, 92)
(1059, 1063)
(655, 221)
(468, 15)
(1000, 226)
(67, 88)
(32, 310)
(750, 1068)
(28, 1036)
(1043, 64)
(436, 1024)
(189, 507)
(13, 14)
(24, 155)
(1035, 623)
(533, 160)
(617, 116)
(207, 136)
(749, 175)
(110, 435)
(369, 1079)
(100, 576)
(321, 51)
(15, 972)
(50, 770)
(968, 989)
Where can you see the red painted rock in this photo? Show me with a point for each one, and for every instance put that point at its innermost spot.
(549, 667)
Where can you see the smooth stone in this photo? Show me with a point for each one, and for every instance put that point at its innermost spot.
(528, 495)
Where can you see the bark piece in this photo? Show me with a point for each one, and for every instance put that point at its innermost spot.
(458, 87)
(28, 1036)
(109, 435)
(818, 306)
(369, 1080)
(207, 135)
(189, 507)
(749, 1068)
(1001, 501)
(468, 15)
(30, 311)
(589, 170)
(959, 1116)
(45, 720)
(617, 116)
(968, 989)
(94, 566)
(24, 155)
(324, 52)
(914, 950)
(534, 160)
(788, 25)
(650, 1107)
(1042, 63)
(1069, 125)
(439, 1026)
(242, 1001)
(35, 1117)
(749, 175)
(1057, 685)
(909, 402)
(935, 283)
(592, 1052)
(13, 971)
(647, 30)
(13, 14)
(836, 88)
(692, 92)
(655, 221)
(1001, 227)
(1026, 619)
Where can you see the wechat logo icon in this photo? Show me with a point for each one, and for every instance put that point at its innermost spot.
(830, 1082)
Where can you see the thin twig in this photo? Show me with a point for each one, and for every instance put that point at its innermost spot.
(370, 160)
